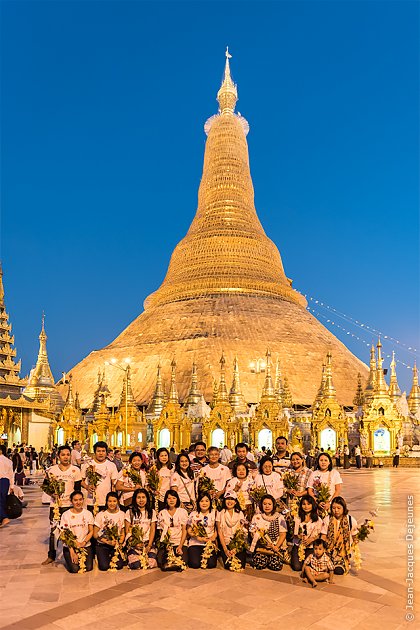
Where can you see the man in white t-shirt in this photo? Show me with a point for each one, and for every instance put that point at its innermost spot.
(108, 472)
(63, 471)
(215, 471)
(225, 455)
(76, 453)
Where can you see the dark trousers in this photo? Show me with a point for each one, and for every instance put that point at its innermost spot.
(104, 555)
(52, 544)
(4, 491)
(241, 557)
(194, 557)
(295, 563)
(74, 568)
(358, 461)
(162, 556)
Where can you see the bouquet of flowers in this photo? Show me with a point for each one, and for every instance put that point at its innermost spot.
(237, 544)
(198, 530)
(205, 484)
(363, 532)
(256, 493)
(172, 559)
(133, 475)
(136, 541)
(153, 482)
(111, 533)
(69, 539)
(290, 480)
(241, 500)
(93, 478)
(323, 494)
(301, 548)
(54, 488)
(262, 536)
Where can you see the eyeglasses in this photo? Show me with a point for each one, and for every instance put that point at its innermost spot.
(205, 521)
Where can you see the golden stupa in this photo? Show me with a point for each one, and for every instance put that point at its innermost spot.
(225, 291)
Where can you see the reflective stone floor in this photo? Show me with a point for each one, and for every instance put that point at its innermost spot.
(32, 596)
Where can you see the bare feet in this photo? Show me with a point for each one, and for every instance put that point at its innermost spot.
(314, 584)
(4, 522)
(47, 561)
(304, 579)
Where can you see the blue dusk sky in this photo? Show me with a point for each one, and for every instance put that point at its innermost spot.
(102, 113)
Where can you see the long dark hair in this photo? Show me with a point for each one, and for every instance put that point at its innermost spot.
(158, 464)
(313, 513)
(202, 495)
(17, 463)
(148, 507)
(135, 454)
(237, 507)
(190, 473)
(341, 502)
(108, 496)
(324, 454)
(171, 493)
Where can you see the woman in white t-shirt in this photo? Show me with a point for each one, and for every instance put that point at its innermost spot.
(125, 483)
(80, 522)
(105, 546)
(324, 473)
(172, 523)
(307, 528)
(164, 468)
(182, 481)
(206, 517)
(241, 483)
(269, 479)
(230, 520)
(141, 516)
(269, 535)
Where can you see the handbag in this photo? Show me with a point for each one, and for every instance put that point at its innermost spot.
(13, 506)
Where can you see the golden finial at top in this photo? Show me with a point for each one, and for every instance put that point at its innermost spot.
(228, 93)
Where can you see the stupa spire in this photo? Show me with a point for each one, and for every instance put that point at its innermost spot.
(10, 382)
(194, 395)
(173, 392)
(226, 251)
(394, 389)
(381, 388)
(158, 399)
(414, 396)
(268, 388)
(236, 398)
(371, 383)
(222, 392)
(278, 384)
(329, 389)
(359, 397)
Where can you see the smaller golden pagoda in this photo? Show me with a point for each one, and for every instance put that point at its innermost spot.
(99, 429)
(414, 395)
(171, 420)
(128, 420)
(381, 422)
(71, 420)
(329, 423)
(221, 426)
(394, 388)
(157, 402)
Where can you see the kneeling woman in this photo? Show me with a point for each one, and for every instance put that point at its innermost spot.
(140, 527)
(172, 523)
(308, 526)
(338, 530)
(232, 534)
(269, 534)
(202, 549)
(109, 531)
(80, 523)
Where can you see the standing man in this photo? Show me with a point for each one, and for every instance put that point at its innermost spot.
(281, 458)
(76, 453)
(346, 457)
(396, 459)
(358, 456)
(6, 484)
(108, 472)
(217, 472)
(70, 475)
(200, 457)
(241, 452)
(225, 455)
(118, 461)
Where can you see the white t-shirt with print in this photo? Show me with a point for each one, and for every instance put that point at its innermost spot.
(165, 482)
(172, 523)
(272, 483)
(105, 518)
(142, 521)
(109, 474)
(229, 523)
(312, 529)
(330, 477)
(127, 494)
(77, 522)
(69, 476)
(219, 475)
(209, 522)
(246, 484)
(182, 485)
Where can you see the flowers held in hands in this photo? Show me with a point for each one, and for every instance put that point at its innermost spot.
(323, 495)
(237, 544)
(111, 535)
(78, 552)
(173, 559)
(290, 480)
(54, 488)
(364, 530)
(134, 475)
(136, 541)
(93, 477)
(256, 493)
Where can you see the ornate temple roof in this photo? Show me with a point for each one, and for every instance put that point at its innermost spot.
(10, 381)
(225, 293)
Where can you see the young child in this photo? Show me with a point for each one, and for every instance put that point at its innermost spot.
(318, 566)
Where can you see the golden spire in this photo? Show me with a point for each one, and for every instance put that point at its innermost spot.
(414, 396)
(70, 398)
(227, 96)
(214, 400)
(1, 287)
(394, 389)
(158, 400)
(381, 388)
(127, 393)
(370, 385)
(286, 397)
(173, 392)
(10, 382)
(236, 398)
(226, 251)
(320, 392)
(268, 392)
(278, 385)
(359, 397)
(41, 375)
(222, 392)
(329, 389)
(194, 395)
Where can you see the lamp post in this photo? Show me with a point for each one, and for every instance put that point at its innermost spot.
(114, 363)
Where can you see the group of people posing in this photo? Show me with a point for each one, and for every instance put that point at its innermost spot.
(189, 513)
